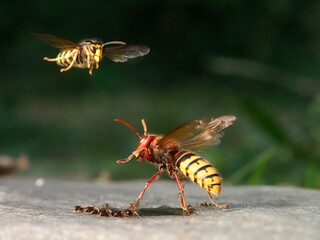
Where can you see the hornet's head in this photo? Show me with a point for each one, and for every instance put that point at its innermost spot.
(144, 142)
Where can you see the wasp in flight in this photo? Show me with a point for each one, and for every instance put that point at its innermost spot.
(89, 53)
(171, 153)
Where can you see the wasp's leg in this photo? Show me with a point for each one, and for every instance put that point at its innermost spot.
(53, 59)
(75, 54)
(90, 71)
(87, 52)
(184, 204)
(88, 62)
(62, 56)
(215, 203)
(154, 177)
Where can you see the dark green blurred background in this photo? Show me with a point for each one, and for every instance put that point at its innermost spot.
(258, 60)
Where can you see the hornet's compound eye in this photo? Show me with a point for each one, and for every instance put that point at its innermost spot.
(142, 140)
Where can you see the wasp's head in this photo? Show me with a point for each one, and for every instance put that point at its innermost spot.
(97, 51)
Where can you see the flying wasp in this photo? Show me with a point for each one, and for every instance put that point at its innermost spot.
(88, 53)
(171, 153)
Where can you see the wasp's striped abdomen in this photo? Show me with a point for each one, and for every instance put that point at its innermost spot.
(66, 58)
(199, 171)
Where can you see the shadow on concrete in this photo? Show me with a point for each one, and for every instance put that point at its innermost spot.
(161, 211)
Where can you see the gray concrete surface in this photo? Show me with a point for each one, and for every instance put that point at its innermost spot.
(43, 209)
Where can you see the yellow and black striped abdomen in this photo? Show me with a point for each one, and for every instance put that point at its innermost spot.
(66, 58)
(199, 171)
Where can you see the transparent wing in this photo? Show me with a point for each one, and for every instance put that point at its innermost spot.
(55, 41)
(124, 52)
(198, 133)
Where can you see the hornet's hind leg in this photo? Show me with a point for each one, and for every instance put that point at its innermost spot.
(183, 202)
(215, 203)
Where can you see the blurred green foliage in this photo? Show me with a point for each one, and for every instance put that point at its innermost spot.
(258, 60)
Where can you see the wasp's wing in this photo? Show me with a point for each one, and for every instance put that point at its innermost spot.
(55, 41)
(124, 52)
(198, 133)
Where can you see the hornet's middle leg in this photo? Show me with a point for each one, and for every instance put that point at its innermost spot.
(152, 179)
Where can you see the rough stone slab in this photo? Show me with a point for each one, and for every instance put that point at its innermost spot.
(35, 210)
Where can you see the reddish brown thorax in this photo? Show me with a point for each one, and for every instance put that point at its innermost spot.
(149, 148)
